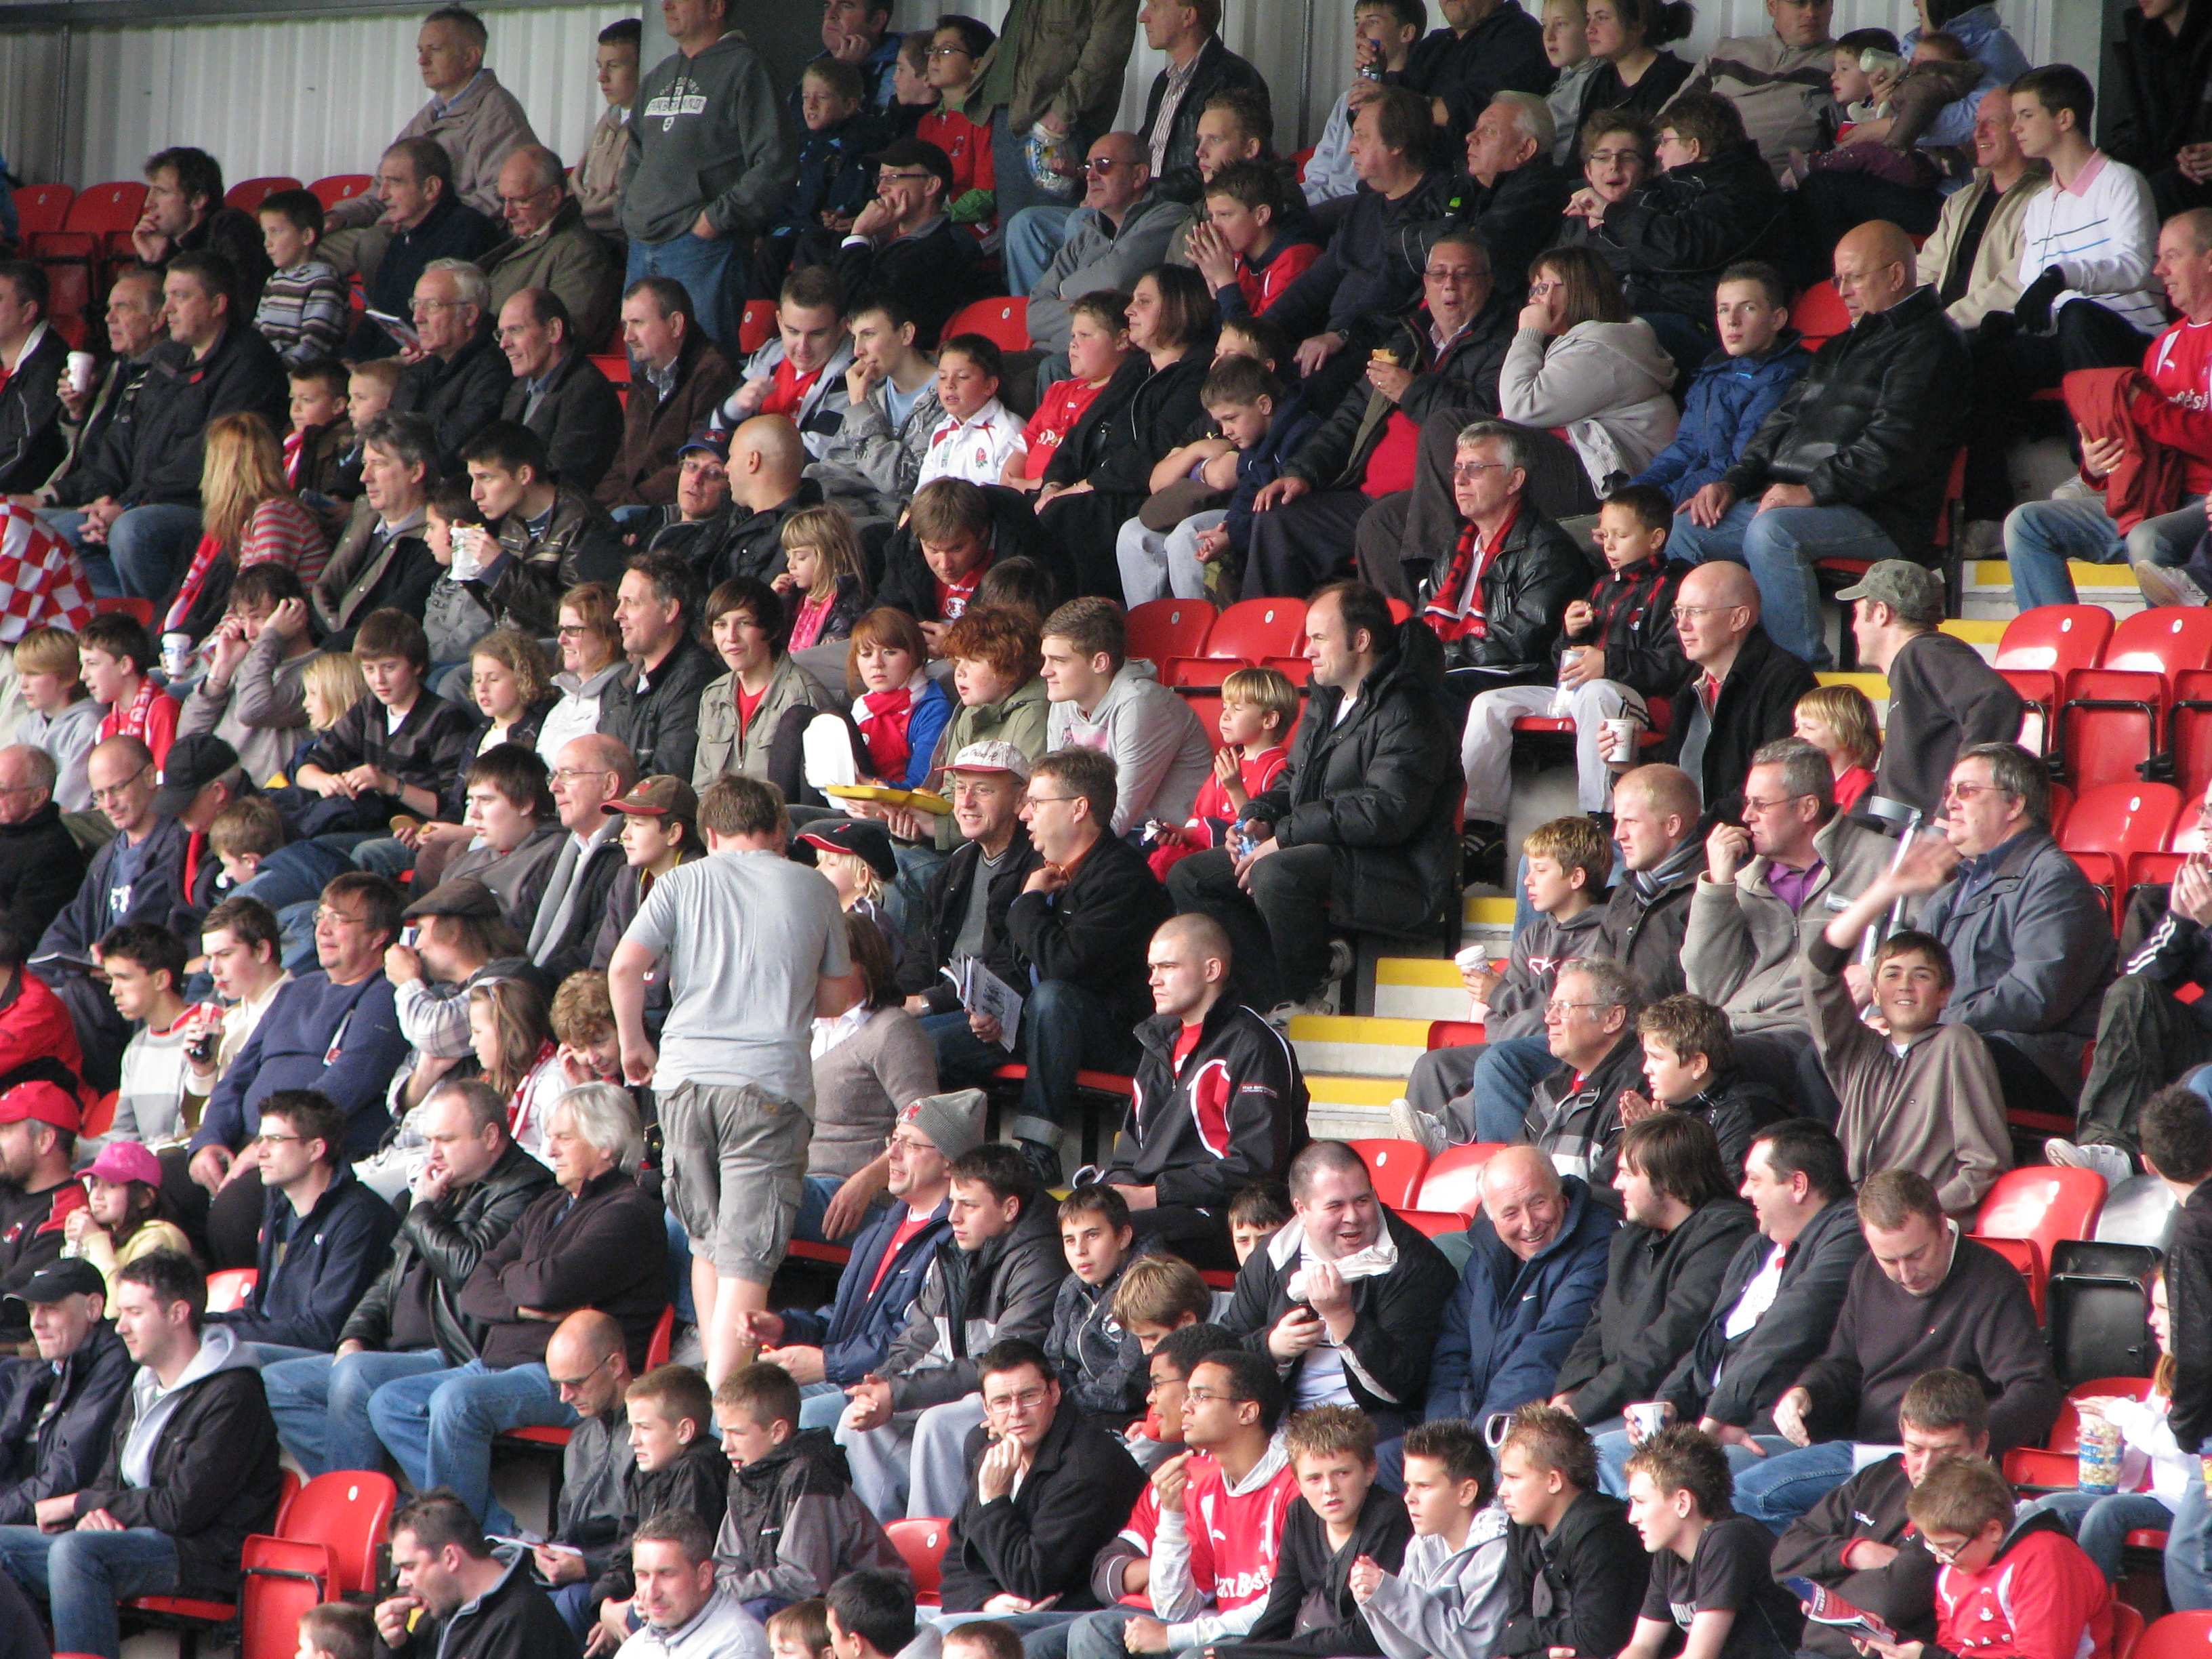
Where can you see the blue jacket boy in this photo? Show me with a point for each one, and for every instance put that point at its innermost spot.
(1728, 397)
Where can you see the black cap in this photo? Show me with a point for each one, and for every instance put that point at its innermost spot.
(191, 765)
(914, 153)
(863, 838)
(461, 897)
(70, 1276)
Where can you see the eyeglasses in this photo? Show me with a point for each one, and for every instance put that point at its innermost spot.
(906, 1143)
(338, 918)
(1047, 800)
(566, 1384)
(1207, 1397)
(1949, 1554)
(436, 305)
(950, 52)
(1556, 1009)
(570, 773)
(1613, 157)
(895, 177)
(1029, 1399)
(571, 631)
(1968, 791)
(268, 1139)
(1100, 164)
(1472, 470)
(1682, 612)
(117, 791)
(1776, 805)
(1452, 274)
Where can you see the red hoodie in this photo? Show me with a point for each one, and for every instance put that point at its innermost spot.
(2042, 1598)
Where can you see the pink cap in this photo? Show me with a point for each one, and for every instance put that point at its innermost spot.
(126, 1160)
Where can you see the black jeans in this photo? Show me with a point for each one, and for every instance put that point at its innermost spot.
(2009, 372)
(1278, 931)
(2145, 1040)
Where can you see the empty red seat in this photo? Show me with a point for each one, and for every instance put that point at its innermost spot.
(42, 209)
(2044, 1203)
(1819, 316)
(341, 187)
(758, 324)
(2042, 647)
(1396, 1167)
(248, 194)
(1004, 321)
(1434, 1223)
(1454, 1181)
(1161, 628)
(921, 1545)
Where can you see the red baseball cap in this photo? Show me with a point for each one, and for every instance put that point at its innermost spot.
(42, 1102)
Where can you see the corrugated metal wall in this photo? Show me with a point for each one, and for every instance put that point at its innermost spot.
(314, 97)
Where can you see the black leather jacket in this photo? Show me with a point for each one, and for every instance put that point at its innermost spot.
(1680, 230)
(1526, 591)
(1218, 70)
(55, 1421)
(438, 1247)
(1873, 424)
(460, 396)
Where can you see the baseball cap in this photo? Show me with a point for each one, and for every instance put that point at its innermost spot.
(71, 1276)
(461, 897)
(42, 1102)
(126, 1160)
(996, 755)
(1913, 591)
(656, 798)
(191, 765)
(711, 442)
(914, 153)
(863, 838)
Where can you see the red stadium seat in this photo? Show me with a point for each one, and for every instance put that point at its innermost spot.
(342, 187)
(100, 1116)
(2189, 732)
(757, 327)
(347, 1511)
(248, 194)
(1297, 669)
(921, 1545)
(1454, 1181)
(41, 210)
(227, 1291)
(2128, 1624)
(1819, 316)
(1434, 1223)
(1454, 1033)
(280, 1578)
(1161, 628)
(1250, 631)
(1002, 320)
(663, 1340)
(1207, 707)
(2177, 1636)
(2042, 647)
(2115, 714)
(142, 609)
(2121, 818)
(1396, 1167)
(2044, 1203)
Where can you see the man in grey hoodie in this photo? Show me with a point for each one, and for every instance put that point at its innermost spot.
(711, 155)
(1122, 231)
(1103, 700)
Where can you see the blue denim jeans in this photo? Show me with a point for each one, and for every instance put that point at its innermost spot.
(82, 1575)
(439, 1426)
(1033, 240)
(820, 1405)
(2101, 1522)
(703, 268)
(1780, 546)
(321, 1405)
(145, 554)
(2188, 1552)
(1614, 1451)
(1504, 1078)
(1776, 1491)
(2040, 537)
(1065, 1028)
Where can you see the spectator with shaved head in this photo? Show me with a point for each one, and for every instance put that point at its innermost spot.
(1220, 1101)
(549, 246)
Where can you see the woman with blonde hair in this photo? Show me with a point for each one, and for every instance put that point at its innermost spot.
(1580, 360)
(513, 1037)
(823, 586)
(249, 515)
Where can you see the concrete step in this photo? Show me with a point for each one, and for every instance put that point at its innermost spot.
(1990, 595)
(1983, 633)
(1335, 1121)
(1420, 988)
(1333, 1044)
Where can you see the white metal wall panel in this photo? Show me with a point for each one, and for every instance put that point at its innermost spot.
(314, 97)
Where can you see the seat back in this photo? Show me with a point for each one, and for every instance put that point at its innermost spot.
(40, 209)
(1819, 316)
(1207, 707)
(2024, 1255)
(2044, 1203)
(1160, 629)
(345, 1510)
(1396, 1167)
(341, 187)
(2164, 639)
(248, 194)
(662, 1340)
(2121, 818)
(757, 323)
(2111, 723)
(2177, 1636)
(921, 1545)
(100, 1116)
(228, 1290)
(280, 1579)
(2189, 732)
(1003, 321)
(1434, 1223)
(99, 209)
(2065, 1434)
(2056, 638)
(2128, 1629)
(1252, 630)
(1454, 1181)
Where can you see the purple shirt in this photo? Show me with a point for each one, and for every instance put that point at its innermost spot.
(1791, 886)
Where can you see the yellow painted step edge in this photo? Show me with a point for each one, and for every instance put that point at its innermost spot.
(1349, 1028)
(1418, 970)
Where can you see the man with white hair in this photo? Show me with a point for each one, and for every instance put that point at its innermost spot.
(461, 376)
(598, 1242)
(1538, 1261)
(423, 220)
(1514, 192)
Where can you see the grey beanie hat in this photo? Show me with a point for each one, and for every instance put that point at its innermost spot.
(953, 1123)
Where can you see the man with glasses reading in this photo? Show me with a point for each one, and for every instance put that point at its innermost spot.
(902, 243)
(137, 876)
(459, 377)
(1046, 1491)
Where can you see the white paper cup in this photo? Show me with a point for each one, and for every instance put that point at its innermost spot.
(1475, 955)
(80, 365)
(1647, 1419)
(176, 654)
(1622, 729)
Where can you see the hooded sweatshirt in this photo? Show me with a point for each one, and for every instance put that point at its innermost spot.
(707, 136)
(794, 1526)
(1605, 382)
(1160, 752)
(1446, 1603)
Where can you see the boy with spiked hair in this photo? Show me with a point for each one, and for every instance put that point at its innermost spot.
(1709, 1571)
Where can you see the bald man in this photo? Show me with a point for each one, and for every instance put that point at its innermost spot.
(1219, 1102)
(588, 1365)
(1736, 695)
(550, 246)
(767, 457)
(1854, 462)
(1537, 1264)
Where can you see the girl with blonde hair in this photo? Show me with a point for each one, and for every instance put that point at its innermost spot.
(823, 587)
(513, 1037)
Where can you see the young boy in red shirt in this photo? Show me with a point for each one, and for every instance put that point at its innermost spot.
(1241, 247)
(1258, 706)
(955, 50)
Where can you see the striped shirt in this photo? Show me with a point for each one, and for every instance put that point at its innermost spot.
(304, 312)
(2102, 232)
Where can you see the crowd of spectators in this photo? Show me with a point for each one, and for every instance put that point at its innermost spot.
(414, 745)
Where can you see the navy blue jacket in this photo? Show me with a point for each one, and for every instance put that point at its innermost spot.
(1509, 1326)
(336, 1251)
(1728, 397)
(855, 1332)
(55, 1421)
(292, 1048)
(1260, 465)
(833, 174)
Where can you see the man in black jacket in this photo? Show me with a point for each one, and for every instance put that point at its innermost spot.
(1738, 693)
(190, 1471)
(557, 391)
(1199, 66)
(467, 1196)
(1439, 361)
(902, 243)
(1078, 929)
(1854, 461)
(136, 326)
(653, 708)
(57, 1411)
(1574, 1567)
(1209, 1115)
(429, 222)
(40, 862)
(462, 378)
(185, 212)
(1858, 1540)
(1356, 833)
(472, 1605)
(1347, 1328)
(1486, 47)
(31, 353)
(1046, 1489)
(1513, 192)
(135, 509)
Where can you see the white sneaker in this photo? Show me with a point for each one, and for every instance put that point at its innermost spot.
(1283, 1013)
(2110, 1162)
(2164, 585)
(1408, 1124)
(1342, 959)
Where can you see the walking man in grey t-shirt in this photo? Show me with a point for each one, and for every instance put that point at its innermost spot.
(754, 947)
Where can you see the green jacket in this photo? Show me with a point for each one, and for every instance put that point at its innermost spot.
(1019, 718)
(572, 259)
(1064, 57)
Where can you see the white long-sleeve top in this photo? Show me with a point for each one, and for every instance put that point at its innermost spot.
(2102, 231)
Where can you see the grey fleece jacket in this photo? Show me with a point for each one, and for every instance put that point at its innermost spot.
(1446, 1603)
(869, 467)
(1516, 1007)
(1605, 382)
(706, 136)
(1095, 256)
(1160, 753)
